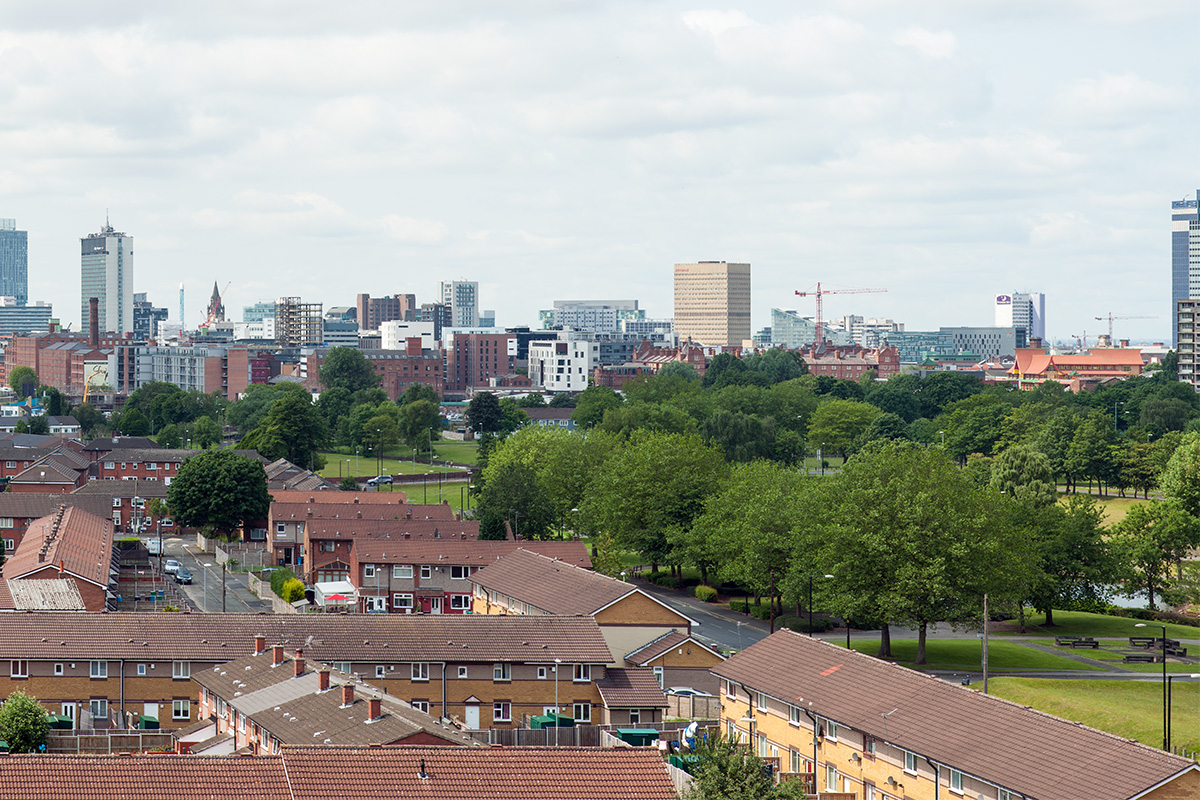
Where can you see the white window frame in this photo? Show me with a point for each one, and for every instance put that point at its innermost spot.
(955, 781)
(501, 712)
(910, 762)
(760, 701)
(98, 706)
(420, 705)
(99, 670)
(181, 709)
(380, 671)
(831, 730)
(58, 669)
(658, 675)
(181, 670)
(420, 670)
(582, 712)
(635, 716)
(794, 716)
(141, 669)
(402, 571)
(10, 545)
(501, 672)
(582, 674)
(459, 573)
(426, 572)
(402, 600)
(368, 570)
(543, 673)
(831, 776)
(281, 527)
(19, 668)
(460, 602)
(462, 672)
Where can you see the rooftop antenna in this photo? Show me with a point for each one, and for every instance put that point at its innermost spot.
(885, 716)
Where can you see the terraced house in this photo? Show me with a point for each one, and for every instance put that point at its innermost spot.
(101, 669)
(853, 724)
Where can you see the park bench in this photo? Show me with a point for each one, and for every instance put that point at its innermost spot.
(1141, 658)
(1063, 641)
(1143, 641)
(1092, 643)
(1175, 651)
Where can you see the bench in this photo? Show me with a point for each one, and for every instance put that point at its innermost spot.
(1141, 658)
(1175, 651)
(1143, 641)
(1063, 641)
(1092, 643)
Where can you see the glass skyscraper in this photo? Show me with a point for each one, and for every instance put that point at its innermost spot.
(1185, 254)
(14, 261)
(107, 274)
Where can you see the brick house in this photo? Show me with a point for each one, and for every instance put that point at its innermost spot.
(851, 362)
(56, 473)
(19, 509)
(678, 659)
(69, 544)
(484, 671)
(878, 731)
(127, 502)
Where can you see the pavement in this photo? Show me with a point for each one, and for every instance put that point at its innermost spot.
(204, 593)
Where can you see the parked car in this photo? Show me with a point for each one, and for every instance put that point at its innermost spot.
(380, 480)
(171, 566)
(183, 575)
(686, 691)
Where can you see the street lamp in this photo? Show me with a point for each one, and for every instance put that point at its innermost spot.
(414, 459)
(206, 566)
(557, 663)
(810, 603)
(943, 434)
(1115, 404)
(425, 488)
(1164, 675)
(1169, 680)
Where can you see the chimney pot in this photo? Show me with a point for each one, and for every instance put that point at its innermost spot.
(298, 666)
(260, 644)
(277, 655)
(347, 695)
(323, 680)
(374, 708)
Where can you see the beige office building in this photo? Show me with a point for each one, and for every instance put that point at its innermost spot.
(712, 303)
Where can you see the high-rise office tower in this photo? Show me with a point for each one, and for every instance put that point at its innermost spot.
(14, 261)
(1022, 310)
(462, 297)
(1185, 254)
(107, 274)
(712, 303)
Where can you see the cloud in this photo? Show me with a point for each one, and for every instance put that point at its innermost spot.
(934, 44)
(414, 231)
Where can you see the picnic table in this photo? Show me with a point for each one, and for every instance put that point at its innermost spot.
(1063, 641)
(1142, 658)
(1092, 643)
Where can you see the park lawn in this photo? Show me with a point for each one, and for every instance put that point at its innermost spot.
(1115, 657)
(338, 466)
(1131, 709)
(1115, 508)
(458, 452)
(953, 654)
(1081, 623)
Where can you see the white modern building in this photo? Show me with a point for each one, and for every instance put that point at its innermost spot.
(107, 274)
(393, 333)
(563, 364)
(1022, 310)
(462, 298)
(603, 316)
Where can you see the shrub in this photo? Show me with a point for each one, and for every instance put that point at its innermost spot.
(705, 593)
(348, 485)
(280, 577)
(664, 579)
(293, 590)
(23, 723)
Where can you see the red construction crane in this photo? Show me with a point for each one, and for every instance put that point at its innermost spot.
(1110, 319)
(818, 293)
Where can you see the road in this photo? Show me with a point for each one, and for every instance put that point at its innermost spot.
(204, 593)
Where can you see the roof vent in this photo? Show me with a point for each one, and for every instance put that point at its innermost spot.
(421, 773)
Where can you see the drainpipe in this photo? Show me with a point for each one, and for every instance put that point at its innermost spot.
(937, 779)
(816, 727)
(122, 689)
(445, 711)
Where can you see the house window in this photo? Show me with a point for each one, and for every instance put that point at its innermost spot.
(542, 673)
(462, 672)
(280, 527)
(793, 715)
(426, 572)
(420, 705)
(460, 573)
(19, 669)
(368, 570)
(956, 781)
(831, 776)
(764, 747)
(99, 669)
(869, 746)
(582, 712)
(460, 602)
(502, 712)
(402, 602)
(1004, 794)
(831, 731)
(910, 762)
(10, 464)
(400, 571)
(141, 669)
(420, 671)
(58, 669)
(110, 465)
(99, 708)
(635, 716)
(501, 672)
(761, 702)
(181, 670)
(583, 673)
(151, 465)
(182, 709)
(328, 547)
(658, 676)
(10, 545)
(343, 666)
(794, 766)
(116, 502)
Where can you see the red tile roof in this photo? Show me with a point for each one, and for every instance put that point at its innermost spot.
(635, 687)
(327, 498)
(552, 586)
(451, 549)
(668, 641)
(953, 725)
(79, 542)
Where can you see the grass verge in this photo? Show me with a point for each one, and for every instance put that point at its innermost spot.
(1081, 623)
(964, 654)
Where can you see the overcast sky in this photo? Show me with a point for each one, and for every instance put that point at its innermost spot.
(560, 149)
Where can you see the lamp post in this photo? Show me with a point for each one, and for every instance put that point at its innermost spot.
(414, 459)
(1169, 680)
(425, 488)
(943, 435)
(557, 663)
(1164, 675)
(206, 566)
(431, 447)
(1115, 404)
(810, 602)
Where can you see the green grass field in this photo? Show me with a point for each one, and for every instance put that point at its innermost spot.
(1115, 508)
(1132, 709)
(1079, 623)
(952, 654)
(340, 465)
(1116, 658)
(458, 452)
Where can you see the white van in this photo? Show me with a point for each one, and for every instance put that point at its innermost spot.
(154, 545)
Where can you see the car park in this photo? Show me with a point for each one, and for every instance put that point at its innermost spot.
(183, 575)
(171, 566)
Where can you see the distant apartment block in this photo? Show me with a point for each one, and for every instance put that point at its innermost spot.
(475, 357)
(1022, 310)
(852, 362)
(397, 369)
(106, 273)
(204, 369)
(603, 316)
(298, 324)
(462, 298)
(16, 317)
(1185, 251)
(1187, 341)
(712, 303)
(395, 333)
(374, 311)
(987, 343)
(258, 312)
(14, 261)
(146, 318)
(790, 330)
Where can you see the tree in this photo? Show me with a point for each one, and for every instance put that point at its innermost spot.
(837, 424)
(88, 418)
(1025, 475)
(1075, 564)
(256, 401)
(416, 420)
(1153, 538)
(513, 493)
(39, 425)
(1180, 479)
(484, 413)
(348, 484)
(1055, 441)
(416, 392)
(380, 433)
(134, 423)
(168, 437)
(24, 723)
(742, 437)
(55, 403)
(1090, 454)
(217, 492)
(23, 380)
(729, 770)
(562, 400)
(292, 429)
(532, 400)
(334, 405)
(347, 368)
(205, 432)
(591, 405)
(972, 425)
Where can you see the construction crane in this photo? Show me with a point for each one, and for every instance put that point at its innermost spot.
(213, 306)
(1110, 319)
(819, 294)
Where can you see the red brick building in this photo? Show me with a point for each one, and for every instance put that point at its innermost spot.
(397, 369)
(851, 362)
(473, 359)
(68, 544)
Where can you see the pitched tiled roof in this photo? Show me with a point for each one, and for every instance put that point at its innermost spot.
(133, 488)
(338, 498)
(381, 638)
(555, 587)
(45, 594)
(283, 474)
(79, 542)
(634, 687)
(669, 640)
(142, 777)
(120, 443)
(509, 773)
(49, 470)
(453, 548)
(31, 505)
(956, 726)
(394, 513)
(347, 773)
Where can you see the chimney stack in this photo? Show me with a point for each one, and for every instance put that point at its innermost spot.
(347, 695)
(276, 655)
(94, 329)
(298, 665)
(260, 645)
(374, 708)
(323, 681)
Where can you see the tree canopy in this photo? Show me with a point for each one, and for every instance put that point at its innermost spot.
(23, 723)
(217, 492)
(347, 368)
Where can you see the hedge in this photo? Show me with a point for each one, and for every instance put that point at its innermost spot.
(705, 593)
(279, 578)
(293, 590)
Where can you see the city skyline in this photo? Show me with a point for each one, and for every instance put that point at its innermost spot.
(568, 154)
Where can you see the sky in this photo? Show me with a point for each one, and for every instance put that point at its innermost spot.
(945, 151)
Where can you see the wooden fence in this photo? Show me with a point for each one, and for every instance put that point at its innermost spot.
(693, 707)
(108, 742)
